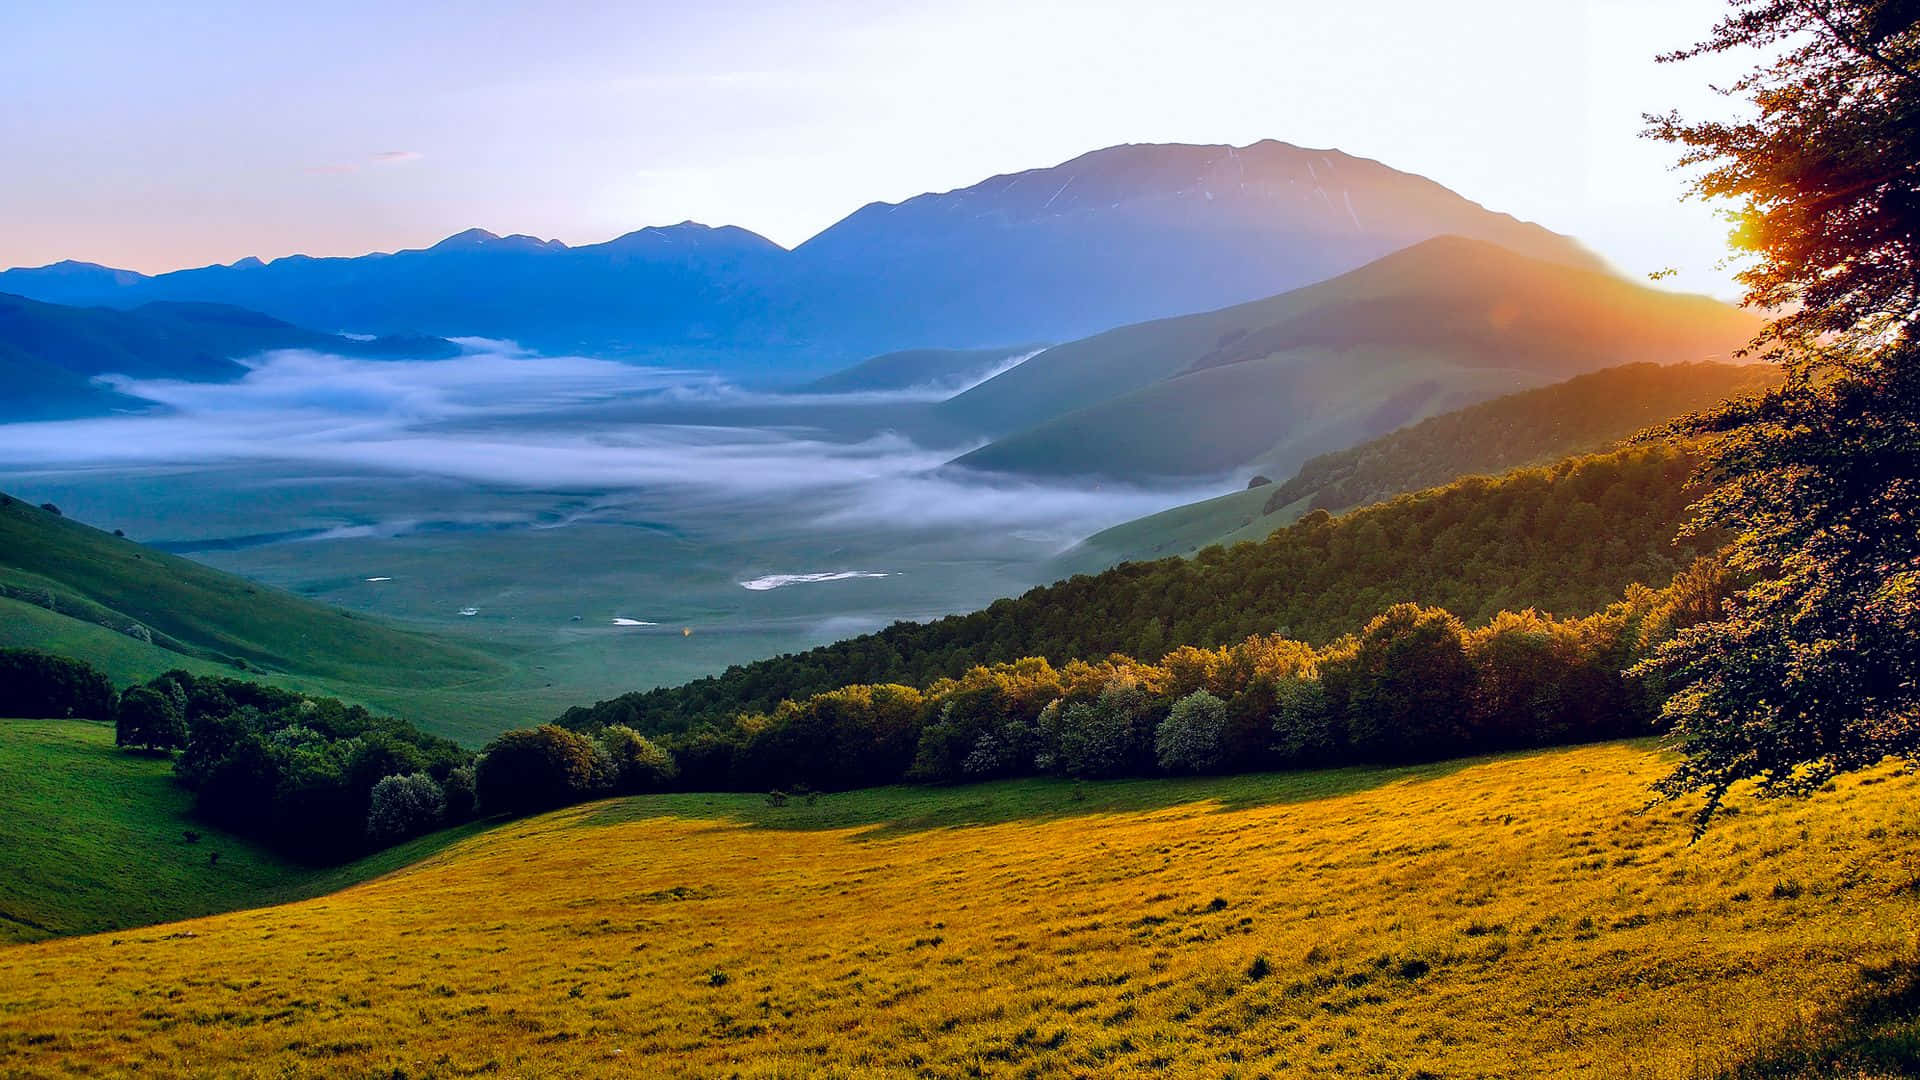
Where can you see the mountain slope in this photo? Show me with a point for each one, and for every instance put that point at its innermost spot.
(917, 369)
(1568, 539)
(1426, 330)
(1508, 917)
(79, 571)
(50, 353)
(1114, 236)
(1532, 427)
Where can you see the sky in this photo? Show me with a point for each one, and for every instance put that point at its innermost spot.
(154, 137)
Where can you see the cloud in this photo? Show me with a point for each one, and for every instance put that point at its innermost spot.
(500, 418)
(388, 157)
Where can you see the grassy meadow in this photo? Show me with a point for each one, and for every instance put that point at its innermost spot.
(1511, 916)
(95, 839)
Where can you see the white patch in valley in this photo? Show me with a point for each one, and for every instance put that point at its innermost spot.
(775, 581)
(621, 620)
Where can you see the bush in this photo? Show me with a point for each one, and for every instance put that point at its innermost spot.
(40, 686)
(634, 763)
(1304, 730)
(1192, 737)
(1111, 736)
(151, 719)
(463, 802)
(403, 806)
(1405, 687)
(537, 769)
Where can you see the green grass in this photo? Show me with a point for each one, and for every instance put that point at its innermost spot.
(213, 615)
(94, 840)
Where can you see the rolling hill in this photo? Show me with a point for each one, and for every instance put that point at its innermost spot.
(1265, 385)
(1394, 922)
(1568, 539)
(152, 598)
(96, 840)
(1113, 236)
(50, 354)
(1532, 427)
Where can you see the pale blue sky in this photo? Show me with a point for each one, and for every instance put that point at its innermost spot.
(159, 136)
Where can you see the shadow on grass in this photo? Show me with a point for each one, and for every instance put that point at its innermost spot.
(1874, 1033)
(902, 810)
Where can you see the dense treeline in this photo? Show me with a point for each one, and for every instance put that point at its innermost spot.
(1565, 538)
(1582, 415)
(43, 687)
(1415, 684)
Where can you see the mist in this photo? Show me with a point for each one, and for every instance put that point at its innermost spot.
(501, 418)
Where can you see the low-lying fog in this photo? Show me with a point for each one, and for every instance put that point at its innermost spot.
(569, 494)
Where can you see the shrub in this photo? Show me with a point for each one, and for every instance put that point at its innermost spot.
(1304, 729)
(634, 763)
(535, 769)
(1111, 736)
(462, 801)
(403, 806)
(41, 686)
(150, 719)
(1192, 737)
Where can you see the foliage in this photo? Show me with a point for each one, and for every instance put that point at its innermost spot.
(1193, 736)
(39, 685)
(1809, 670)
(152, 718)
(294, 772)
(634, 763)
(96, 839)
(403, 806)
(1566, 538)
(524, 771)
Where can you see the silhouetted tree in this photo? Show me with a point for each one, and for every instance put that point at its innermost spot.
(1811, 668)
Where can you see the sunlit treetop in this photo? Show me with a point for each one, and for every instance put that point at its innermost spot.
(1825, 173)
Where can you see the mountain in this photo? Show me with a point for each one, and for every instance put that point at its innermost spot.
(1442, 324)
(1114, 236)
(920, 368)
(51, 353)
(1533, 427)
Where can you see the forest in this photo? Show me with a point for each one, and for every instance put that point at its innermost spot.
(1566, 538)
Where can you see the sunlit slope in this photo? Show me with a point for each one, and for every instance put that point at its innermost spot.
(1507, 917)
(201, 612)
(97, 839)
(1439, 325)
(1531, 427)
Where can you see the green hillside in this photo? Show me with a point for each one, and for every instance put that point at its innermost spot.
(183, 607)
(50, 352)
(1532, 427)
(96, 840)
(1567, 539)
(1439, 325)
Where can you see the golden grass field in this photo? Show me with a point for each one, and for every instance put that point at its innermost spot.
(1501, 917)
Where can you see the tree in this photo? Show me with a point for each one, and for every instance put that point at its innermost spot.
(637, 763)
(1809, 669)
(41, 686)
(404, 806)
(537, 769)
(1404, 687)
(1193, 736)
(149, 718)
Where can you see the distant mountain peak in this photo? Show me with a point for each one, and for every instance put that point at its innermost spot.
(473, 239)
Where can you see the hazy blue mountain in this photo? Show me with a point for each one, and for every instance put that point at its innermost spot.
(1114, 236)
(50, 353)
(1443, 324)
